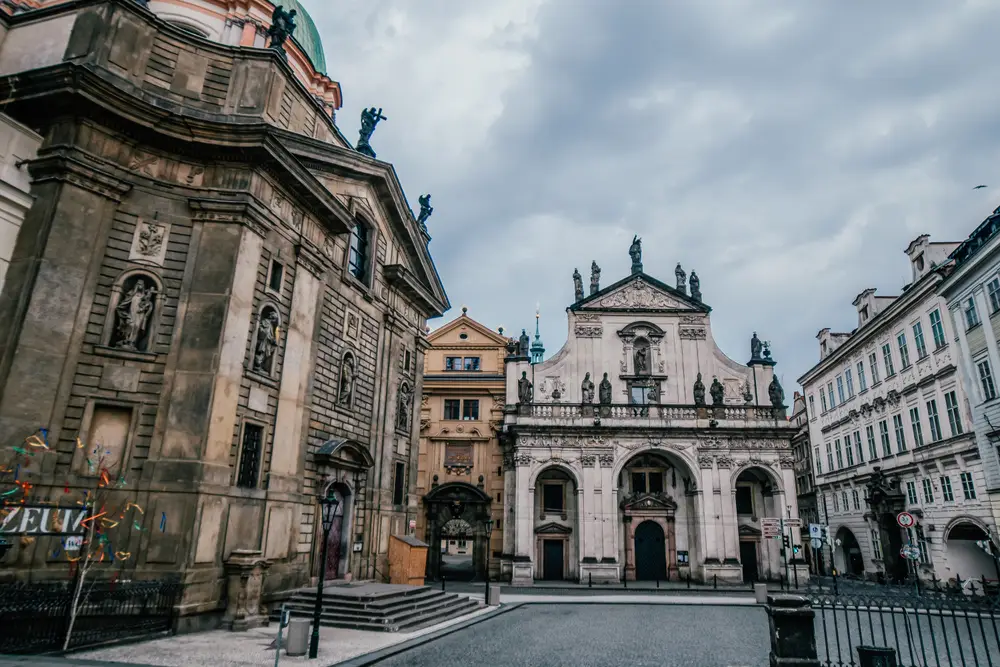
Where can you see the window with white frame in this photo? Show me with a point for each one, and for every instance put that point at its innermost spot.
(887, 360)
(829, 393)
(862, 386)
(928, 491)
(918, 340)
(994, 291)
(971, 314)
(954, 416)
(946, 491)
(859, 452)
(968, 487)
(904, 351)
(873, 362)
(937, 329)
(822, 400)
(986, 380)
(836, 503)
(856, 500)
(911, 493)
(918, 432)
(812, 407)
(849, 380)
(876, 545)
(872, 450)
(934, 420)
(883, 431)
(897, 427)
(843, 498)
(840, 389)
(829, 458)
(840, 453)
(819, 461)
(924, 546)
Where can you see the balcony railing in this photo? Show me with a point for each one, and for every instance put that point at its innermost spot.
(651, 411)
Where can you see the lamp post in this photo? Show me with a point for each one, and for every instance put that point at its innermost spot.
(489, 532)
(328, 505)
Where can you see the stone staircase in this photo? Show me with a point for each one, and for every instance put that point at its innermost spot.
(380, 607)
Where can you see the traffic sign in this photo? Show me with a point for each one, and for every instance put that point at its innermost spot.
(770, 527)
(816, 543)
(909, 551)
(905, 520)
(815, 531)
(794, 522)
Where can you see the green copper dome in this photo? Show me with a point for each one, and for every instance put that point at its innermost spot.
(306, 35)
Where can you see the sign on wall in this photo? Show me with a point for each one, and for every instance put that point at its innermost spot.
(44, 520)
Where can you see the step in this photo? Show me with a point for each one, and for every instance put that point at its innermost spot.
(382, 602)
(389, 615)
(409, 615)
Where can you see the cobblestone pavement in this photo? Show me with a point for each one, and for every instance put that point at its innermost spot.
(601, 635)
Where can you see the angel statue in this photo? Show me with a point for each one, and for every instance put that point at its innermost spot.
(369, 119)
(282, 27)
(425, 210)
(635, 252)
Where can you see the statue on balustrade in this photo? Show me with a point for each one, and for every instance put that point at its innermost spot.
(718, 392)
(523, 344)
(587, 389)
(524, 389)
(756, 347)
(595, 277)
(577, 285)
(776, 393)
(699, 392)
(604, 391)
(695, 286)
(681, 278)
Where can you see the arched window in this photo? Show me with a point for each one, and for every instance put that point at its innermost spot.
(267, 339)
(358, 255)
(132, 319)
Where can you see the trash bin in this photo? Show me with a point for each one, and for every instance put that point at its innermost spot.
(298, 637)
(493, 595)
(760, 593)
(876, 656)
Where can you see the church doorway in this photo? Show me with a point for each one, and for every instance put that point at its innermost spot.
(848, 554)
(650, 552)
(553, 557)
(748, 558)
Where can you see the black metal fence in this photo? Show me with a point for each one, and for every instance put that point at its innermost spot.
(940, 625)
(34, 617)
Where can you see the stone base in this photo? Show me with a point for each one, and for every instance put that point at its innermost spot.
(521, 575)
(599, 573)
(726, 573)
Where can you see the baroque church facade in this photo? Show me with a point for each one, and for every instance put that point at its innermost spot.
(640, 450)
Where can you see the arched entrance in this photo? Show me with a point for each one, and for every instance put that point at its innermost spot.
(344, 465)
(338, 549)
(847, 554)
(755, 496)
(966, 557)
(556, 517)
(456, 531)
(650, 552)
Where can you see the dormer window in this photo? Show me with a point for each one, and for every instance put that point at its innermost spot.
(918, 262)
(864, 313)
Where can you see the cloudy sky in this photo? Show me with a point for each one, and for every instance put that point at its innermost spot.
(786, 151)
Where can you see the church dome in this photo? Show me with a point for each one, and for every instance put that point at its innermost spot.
(306, 35)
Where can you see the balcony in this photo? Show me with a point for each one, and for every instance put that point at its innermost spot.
(652, 415)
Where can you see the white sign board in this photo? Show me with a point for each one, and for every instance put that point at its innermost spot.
(815, 531)
(770, 527)
(794, 522)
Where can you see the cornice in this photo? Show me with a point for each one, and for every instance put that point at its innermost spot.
(58, 165)
(243, 209)
(405, 282)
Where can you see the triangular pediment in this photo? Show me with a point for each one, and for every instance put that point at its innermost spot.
(746, 530)
(449, 332)
(649, 502)
(553, 529)
(641, 293)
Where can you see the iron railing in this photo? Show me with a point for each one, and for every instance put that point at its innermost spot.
(34, 617)
(939, 626)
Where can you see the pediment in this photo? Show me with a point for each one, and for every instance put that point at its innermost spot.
(641, 293)
(553, 529)
(748, 531)
(647, 502)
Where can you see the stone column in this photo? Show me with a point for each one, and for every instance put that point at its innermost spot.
(707, 521)
(730, 533)
(244, 583)
(609, 513)
(524, 549)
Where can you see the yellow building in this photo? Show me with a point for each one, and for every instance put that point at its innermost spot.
(460, 468)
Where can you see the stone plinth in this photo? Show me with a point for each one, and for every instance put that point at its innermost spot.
(793, 631)
(244, 578)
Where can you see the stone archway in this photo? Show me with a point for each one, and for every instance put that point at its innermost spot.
(847, 553)
(344, 466)
(456, 531)
(967, 557)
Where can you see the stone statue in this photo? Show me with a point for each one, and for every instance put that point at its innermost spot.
(681, 278)
(767, 350)
(524, 389)
(747, 392)
(523, 344)
(282, 27)
(718, 392)
(635, 252)
(577, 285)
(755, 347)
(132, 315)
(403, 413)
(595, 277)
(267, 341)
(699, 392)
(695, 287)
(425, 211)
(641, 360)
(604, 391)
(776, 393)
(587, 389)
(345, 393)
(369, 119)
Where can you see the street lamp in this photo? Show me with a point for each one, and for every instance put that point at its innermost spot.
(328, 505)
(489, 531)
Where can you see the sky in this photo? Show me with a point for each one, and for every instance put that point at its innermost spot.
(786, 151)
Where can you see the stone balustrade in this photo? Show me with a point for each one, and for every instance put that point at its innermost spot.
(571, 412)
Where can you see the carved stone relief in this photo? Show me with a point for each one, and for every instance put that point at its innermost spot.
(133, 314)
(640, 294)
(692, 333)
(149, 242)
(588, 330)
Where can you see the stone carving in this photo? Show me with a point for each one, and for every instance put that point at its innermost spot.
(747, 392)
(641, 358)
(151, 239)
(718, 392)
(345, 392)
(588, 317)
(557, 388)
(268, 333)
(787, 461)
(692, 333)
(695, 287)
(403, 409)
(588, 330)
(132, 315)
(425, 211)
(635, 252)
(606, 460)
(776, 393)
(523, 344)
(639, 294)
(587, 389)
(893, 397)
(705, 462)
(522, 460)
(577, 285)
(699, 391)
(725, 461)
(681, 278)
(456, 528)
(282, 27)
(604, 391)
(196, 171)
(524, 389)
(595, 278)
(369, 119)
(143, 163)
(756, 347)
(588, 460)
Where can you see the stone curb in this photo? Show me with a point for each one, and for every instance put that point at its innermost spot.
(61, 661)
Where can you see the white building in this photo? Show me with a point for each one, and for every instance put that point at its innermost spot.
(891, 431)
(617, 464)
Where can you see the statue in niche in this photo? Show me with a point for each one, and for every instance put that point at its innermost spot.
(635, 252)
(345, 393)
(587, 389)
(681, 278)
(577, 285)
(695, 287)
(403, 411)
(776, 393)
(595, 277)
(524, 389)
(425, 211)
(282, 27)
(718, 392)
(756, 347)
(641, 360)
(523, 344)
(267, 341)
(132, 316)
(699, 392)
(604, 391)
(369, 119)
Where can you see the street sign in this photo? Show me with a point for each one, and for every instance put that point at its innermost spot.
(794, 522)
(910, 552)
(816, 531)
(770, 527)
(905, 520)
(816, 543)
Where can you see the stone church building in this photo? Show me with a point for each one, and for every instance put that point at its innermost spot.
(640, 450)
(213, 288)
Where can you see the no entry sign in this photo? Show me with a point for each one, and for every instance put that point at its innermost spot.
(905, 520)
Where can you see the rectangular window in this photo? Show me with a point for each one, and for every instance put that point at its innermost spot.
(934, 420)
(829, 392)
(819, 461)
(862, 384)
(872, 450)
(840, 389)
(904, 351)
(453, 363)
(876, 545)
(873, 362)
(407, 360)
(928, 491)
(954, 416)
(822, 400)
(471, 364)
(850, 451)
(452, 408)
(357, 257)
(470, 410)
(986, 379)
(937, 329)
(994, 291)
(849, 379)
(744, 500)
(897, 426)
(552, 498)
(887, 360)
(829, 458)
(968, 488)
(843, 498)
(277, 272)
(639, 482)
(911, 493)
(918, 431)
(856, 500)
(918, 340)
(883, 430)
(836, 503)
(857, 447)
(655, 479)
(249, 471)
(925, 552)
(946, 491)
(399, 484)
(840, 453)
(812, 406)
(971, 314)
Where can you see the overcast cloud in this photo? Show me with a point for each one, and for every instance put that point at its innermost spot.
(786, 151)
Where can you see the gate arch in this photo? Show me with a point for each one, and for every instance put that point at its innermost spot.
(458, 511)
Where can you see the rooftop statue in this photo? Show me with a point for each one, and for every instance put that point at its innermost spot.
(756, 347)
(718, 392)
(369, 119)
(595, 278)
(681, 278)
(635, 252)
(425, 211)
(577, 285)
(695, 287)
(699, 391)
(776, 393)
(282, 27)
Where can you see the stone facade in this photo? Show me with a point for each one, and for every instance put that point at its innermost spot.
(218, 290)
(888, 411)
(616, 465)
(805, 482)
(18, 146)
(461, 414)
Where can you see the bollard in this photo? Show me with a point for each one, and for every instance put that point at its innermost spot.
(760, 593)
(657, 582)
(590, 580)
(493, 595)
(876, 656)
(715, 581)
(442, 583)
(625, 581)
(689, 580)
(298, 637)
(793, 631)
